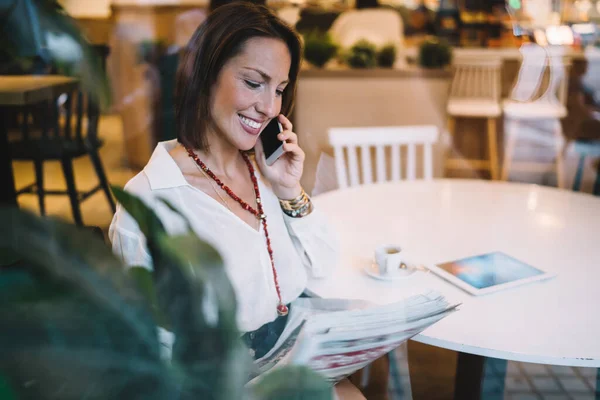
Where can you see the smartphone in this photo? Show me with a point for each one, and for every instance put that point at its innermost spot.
(272, 146)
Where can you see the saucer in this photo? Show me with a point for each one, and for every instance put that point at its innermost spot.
(373, 271)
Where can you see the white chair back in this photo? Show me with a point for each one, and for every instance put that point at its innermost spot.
(347, 141)
(477, 79)
(531, 72)
(536, 61)
(379, 26)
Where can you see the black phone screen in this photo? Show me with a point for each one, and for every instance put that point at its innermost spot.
(269, 137)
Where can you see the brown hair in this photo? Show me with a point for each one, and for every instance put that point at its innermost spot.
(220, 38)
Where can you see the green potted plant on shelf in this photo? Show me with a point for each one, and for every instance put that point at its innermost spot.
(75, 325)
(434, 53)
(319, 48)
(386, 56)
(363, 54)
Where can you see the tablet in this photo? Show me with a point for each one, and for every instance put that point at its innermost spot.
(488, 273)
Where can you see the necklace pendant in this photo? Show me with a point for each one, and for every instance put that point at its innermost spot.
(282, 309)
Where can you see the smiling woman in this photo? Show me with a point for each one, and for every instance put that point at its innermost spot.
(237, 73)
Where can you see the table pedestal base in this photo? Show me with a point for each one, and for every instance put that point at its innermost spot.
(469, 377)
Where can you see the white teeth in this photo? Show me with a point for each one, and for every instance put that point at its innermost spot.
(250, 123)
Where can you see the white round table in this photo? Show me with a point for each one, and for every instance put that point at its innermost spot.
(551, 322)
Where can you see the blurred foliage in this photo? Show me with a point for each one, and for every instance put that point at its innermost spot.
(76, 325)
(363, 54)
(386, 56)
(434, 53)
(319, 48)
(38, 36)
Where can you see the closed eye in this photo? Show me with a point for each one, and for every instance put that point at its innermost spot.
(279, 92)
(251, 84)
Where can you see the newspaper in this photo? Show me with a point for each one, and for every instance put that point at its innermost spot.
(338, 337)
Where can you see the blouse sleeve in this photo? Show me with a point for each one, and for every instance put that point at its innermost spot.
(128, 242)
(315, 242)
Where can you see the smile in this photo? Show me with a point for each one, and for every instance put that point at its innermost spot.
(250, 123)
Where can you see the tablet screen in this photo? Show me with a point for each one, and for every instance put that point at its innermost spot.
(489, 270)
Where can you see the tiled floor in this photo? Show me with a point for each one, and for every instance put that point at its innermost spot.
(507, 381)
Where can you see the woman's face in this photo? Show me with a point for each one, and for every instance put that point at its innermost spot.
(248, 91)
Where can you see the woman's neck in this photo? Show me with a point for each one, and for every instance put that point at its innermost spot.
(222, 158)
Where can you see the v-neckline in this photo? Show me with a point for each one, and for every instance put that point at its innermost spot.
(230, 212)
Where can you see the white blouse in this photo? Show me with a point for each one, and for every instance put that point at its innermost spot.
(302, 247)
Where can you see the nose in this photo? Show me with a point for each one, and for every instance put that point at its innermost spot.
(268, 104)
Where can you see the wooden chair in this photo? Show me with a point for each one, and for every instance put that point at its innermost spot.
(475, 93)
(348, 141)
(62, 130)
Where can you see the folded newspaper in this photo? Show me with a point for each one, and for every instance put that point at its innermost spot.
(338, 337)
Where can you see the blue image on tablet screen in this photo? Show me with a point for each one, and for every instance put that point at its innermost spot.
(489, 270)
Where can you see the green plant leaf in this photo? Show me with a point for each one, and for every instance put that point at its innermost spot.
(319, 48)
(145, 283)
(195, 295)
(292, 383)
(363, 54)
(78, 258)
(203, 311)
(87, 332)
(148, 222)
(386, 56)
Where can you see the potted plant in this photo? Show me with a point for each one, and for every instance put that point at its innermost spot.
(319, 48)
(434, 53)
(363, 54)
(76, 325)
(386, 56)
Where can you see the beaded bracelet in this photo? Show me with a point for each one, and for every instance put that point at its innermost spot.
(298, 207)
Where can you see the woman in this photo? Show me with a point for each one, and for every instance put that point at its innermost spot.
(237, 73)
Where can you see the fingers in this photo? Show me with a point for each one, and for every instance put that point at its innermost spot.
(285, 123)
(294, 150)
(287, 135)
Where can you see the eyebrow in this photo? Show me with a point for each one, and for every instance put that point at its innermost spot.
(264, 75)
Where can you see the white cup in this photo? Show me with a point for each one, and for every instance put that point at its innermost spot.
(389, 258)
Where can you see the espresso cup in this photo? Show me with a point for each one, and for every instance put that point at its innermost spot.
(388, 258)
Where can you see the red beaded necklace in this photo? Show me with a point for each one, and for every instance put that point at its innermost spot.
(281, 308)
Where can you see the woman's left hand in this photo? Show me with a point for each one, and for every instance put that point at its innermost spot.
(284, 175)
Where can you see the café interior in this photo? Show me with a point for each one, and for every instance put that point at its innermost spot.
(477, 120)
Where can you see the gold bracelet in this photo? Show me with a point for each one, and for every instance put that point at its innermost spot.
(297, 207)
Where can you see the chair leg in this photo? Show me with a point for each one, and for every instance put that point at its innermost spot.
(579, 174)
(560, 154)
(511, 140)
(67, 166)
(493, 147)
(596, 190)
(95, 157)
(39, 183)
(451, 127)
